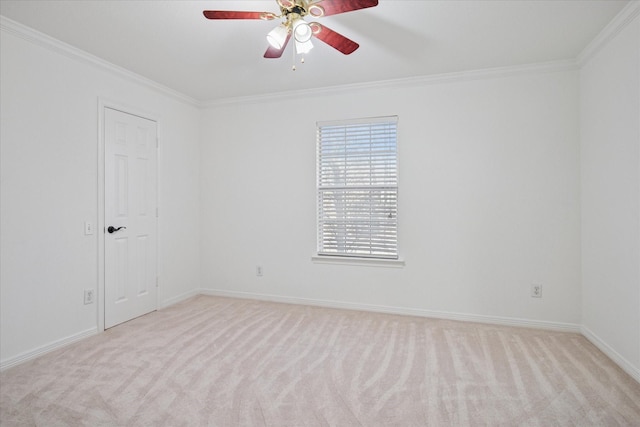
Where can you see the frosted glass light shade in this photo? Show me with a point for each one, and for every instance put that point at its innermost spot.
(301, 31)
(304, 47)
(278, 36)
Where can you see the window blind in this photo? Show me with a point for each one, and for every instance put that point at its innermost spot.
(357, 182)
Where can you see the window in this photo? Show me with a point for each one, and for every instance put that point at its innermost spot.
(357, 181)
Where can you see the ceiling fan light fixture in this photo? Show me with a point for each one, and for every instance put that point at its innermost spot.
(303, 47)
(301, 31)
(278, 36)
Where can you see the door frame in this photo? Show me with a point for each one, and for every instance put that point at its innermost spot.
(104, 103)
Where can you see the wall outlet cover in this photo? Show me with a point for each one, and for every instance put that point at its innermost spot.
(88, 296)
(536, 290)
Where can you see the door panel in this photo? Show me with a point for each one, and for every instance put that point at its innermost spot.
(130, 205)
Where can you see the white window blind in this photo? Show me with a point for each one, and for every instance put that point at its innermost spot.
(357, 181)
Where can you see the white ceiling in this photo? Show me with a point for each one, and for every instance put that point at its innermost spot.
(171, 43)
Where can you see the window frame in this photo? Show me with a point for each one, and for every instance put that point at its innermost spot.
(360, 257)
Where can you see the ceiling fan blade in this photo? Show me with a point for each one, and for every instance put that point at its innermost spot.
(333, 7)
(334, 39)
(234, 14)
(273, 52)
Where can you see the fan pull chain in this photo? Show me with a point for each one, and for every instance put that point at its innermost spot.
(293, 59)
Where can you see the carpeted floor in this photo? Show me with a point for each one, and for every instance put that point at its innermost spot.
(213, 361)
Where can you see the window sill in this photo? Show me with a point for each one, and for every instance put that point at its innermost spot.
(366, 262)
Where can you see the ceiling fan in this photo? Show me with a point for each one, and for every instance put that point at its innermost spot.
(293, 24)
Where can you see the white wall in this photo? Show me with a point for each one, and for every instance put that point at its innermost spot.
(49, 180)
(610, 161)
(489, 198)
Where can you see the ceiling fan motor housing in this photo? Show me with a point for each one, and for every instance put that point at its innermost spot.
(300, 7)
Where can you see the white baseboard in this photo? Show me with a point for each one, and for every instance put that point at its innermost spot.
(623, 363)
(21, 358)
(505, 321)
(496, 320)
(179, 298)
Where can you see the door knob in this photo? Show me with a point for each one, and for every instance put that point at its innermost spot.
(112, 229)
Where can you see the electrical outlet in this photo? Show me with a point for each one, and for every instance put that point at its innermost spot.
(258, 270)
(88, 296)
(536, 291)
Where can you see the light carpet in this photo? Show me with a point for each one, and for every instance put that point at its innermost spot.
(212, 361)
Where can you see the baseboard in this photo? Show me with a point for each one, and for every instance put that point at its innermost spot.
(21, 358)
(623, 363)
(179, 298)
(496, 320)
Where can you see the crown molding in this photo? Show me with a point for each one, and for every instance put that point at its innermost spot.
(617, 24)
(624, 18)
(29, 34)
(487, 73)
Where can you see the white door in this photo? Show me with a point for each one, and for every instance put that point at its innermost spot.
(130, 217)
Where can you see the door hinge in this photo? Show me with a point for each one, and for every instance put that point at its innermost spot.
(157, 281)
(157, 212)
